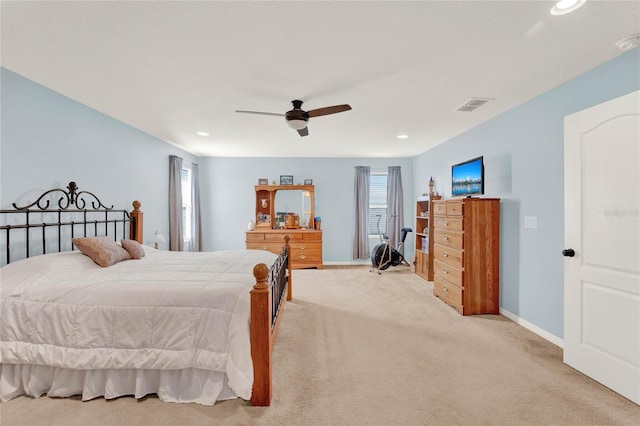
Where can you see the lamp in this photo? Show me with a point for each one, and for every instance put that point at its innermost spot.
(297, 124)
(157, 239)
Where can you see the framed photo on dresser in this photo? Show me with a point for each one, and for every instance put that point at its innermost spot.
(286, 180)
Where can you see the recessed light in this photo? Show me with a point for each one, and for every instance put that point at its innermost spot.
(402, 136)
(566, 6)
(202, 133)
(629, 42)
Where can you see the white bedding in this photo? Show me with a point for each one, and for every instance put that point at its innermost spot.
(167, 311)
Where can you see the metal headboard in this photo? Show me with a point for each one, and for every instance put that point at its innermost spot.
(75, 209)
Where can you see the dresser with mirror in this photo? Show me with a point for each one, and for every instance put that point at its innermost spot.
(287, 210)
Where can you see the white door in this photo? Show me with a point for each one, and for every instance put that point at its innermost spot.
(602, 227)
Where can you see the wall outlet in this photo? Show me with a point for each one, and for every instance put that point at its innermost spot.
(530, 222)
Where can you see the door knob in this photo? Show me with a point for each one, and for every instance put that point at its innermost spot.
(568, 252)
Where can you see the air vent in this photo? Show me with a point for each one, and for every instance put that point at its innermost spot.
(473, 104)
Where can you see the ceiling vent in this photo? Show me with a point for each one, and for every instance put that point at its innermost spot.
(473, 104)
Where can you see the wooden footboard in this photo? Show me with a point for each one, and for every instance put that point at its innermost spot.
(267, 298)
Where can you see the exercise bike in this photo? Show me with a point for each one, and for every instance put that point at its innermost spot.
(384, 255)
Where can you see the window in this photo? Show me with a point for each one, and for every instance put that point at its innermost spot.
(377, 204)
(186, 204)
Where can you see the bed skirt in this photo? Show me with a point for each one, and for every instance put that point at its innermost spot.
(186, 385)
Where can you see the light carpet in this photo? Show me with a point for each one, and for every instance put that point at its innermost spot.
(360, 348)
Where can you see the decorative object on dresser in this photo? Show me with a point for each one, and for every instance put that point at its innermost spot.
(286, 180)
(263, 181)
(424, 233)
(466, 254)
(303, 229)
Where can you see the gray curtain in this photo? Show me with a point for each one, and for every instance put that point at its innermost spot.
(176, 239)
(196, 226)
(394, 204)
(361, 195)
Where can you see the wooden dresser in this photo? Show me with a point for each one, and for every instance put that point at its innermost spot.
(467, 254)
(306, 245)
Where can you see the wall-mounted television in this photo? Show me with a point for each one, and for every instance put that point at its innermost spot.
(467, 178)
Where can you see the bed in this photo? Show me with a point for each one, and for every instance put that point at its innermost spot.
(189, 327)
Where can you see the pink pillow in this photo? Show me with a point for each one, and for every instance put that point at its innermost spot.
(102, 250)
(134, 248)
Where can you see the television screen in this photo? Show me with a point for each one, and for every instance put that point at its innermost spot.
(467, 178)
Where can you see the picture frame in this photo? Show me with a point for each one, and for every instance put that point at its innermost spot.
(286, 180)
(263, 181)
(308, 181)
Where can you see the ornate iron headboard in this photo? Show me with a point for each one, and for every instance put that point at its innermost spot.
(74, 209)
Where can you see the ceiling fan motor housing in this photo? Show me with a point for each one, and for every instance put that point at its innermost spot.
(297, 113)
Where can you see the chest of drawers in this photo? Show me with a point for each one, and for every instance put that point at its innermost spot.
(467, 254)
(306, 245)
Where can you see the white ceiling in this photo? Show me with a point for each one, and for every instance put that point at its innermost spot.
(174, 68)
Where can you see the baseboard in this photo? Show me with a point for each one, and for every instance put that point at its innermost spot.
(348, 263)
(533, 328)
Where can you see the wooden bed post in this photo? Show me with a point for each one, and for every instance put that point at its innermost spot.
(289, 289)
(261, 337)
(135, 226)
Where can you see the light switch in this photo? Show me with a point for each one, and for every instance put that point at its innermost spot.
(531, 222)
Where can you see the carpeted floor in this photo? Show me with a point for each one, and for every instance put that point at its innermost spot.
(358, 348)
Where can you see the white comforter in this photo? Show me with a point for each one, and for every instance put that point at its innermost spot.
(166, 311)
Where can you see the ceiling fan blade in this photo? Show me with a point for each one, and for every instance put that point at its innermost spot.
(329, 110)
(259, 112)
(304, 132)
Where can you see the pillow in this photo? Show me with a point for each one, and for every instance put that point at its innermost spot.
(133, 247)
(102, 250)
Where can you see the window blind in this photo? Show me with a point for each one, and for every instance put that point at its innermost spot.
(378, 203)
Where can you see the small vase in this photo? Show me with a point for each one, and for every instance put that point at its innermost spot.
(251, 226)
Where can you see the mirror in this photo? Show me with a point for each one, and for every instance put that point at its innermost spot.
(294, 201)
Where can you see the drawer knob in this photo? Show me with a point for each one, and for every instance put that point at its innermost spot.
(302, 247)
(445, 271)
(445, 223)
(445, 289)
(446, 237)
(445, 254)
(303, 257)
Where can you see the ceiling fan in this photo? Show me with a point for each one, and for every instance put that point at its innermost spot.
(297, 118)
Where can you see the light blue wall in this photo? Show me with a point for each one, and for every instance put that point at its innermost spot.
(48, 140)
(231, 197)
(524, 165)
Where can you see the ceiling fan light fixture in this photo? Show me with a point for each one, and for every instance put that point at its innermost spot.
(566, 6)
(297, 124)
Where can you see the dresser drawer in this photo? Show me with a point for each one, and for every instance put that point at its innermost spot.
(272, 247)
(448, 293)
(455, 208)
(306, 245)
(451, 257)
(454, 223)
(279, 236)
(448, 272)
(448, 238)
(440, 209)
(306, 256)
(312, 236)
(255, 236)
